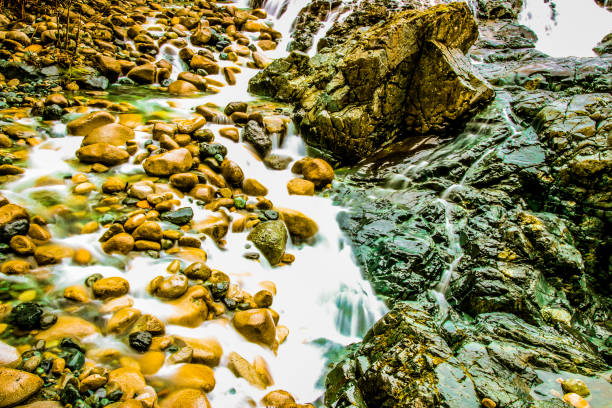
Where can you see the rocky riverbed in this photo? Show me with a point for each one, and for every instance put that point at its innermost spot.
(167, 239)
(492, 246)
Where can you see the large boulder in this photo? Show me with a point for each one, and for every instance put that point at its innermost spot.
(517, 216)
(514, 211)
(404, 76)
(407, 360)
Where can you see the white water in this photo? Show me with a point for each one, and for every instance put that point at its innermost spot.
(330, 19)
(576, 28)
(321, 296)
(455, 250)
(556, 31)
(281, 15)
(454, 244)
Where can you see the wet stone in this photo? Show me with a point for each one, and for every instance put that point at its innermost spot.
(140, 341)
(256, 325)
(26, 315)
(166, 164)
(179, 217)
(254, 188)
(255, 135)
(235, 107)
(120, 243)
(270, 238)
(16, 386)
(212, 150)
(87, 123)
(110, 287)
(232, 172)
(198, 271)
(277, 162)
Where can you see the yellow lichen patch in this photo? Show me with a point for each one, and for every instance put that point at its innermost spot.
(507, 255)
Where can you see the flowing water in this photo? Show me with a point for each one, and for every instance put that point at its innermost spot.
(477, 136)
(322, 297)
(566, 27)
(283, 14)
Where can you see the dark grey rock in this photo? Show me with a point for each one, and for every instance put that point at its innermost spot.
(255, 135)
(179, 217)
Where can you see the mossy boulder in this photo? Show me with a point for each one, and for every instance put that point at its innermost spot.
(271, 239)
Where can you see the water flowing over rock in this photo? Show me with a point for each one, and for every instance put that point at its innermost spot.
(528, 268)
(402, 77)
(480, 218)
(506, 223)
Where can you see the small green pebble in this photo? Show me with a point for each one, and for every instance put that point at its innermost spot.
(239, 202)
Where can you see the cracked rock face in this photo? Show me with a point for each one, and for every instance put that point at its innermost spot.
(530, 207)
(526, 189)
(403, 76)
(407, 360)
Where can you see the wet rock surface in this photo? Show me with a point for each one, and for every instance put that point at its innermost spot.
(408, 358)
(128, 189)
(122, 177)
(404, 76)
(510, 215)
(515, 210)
